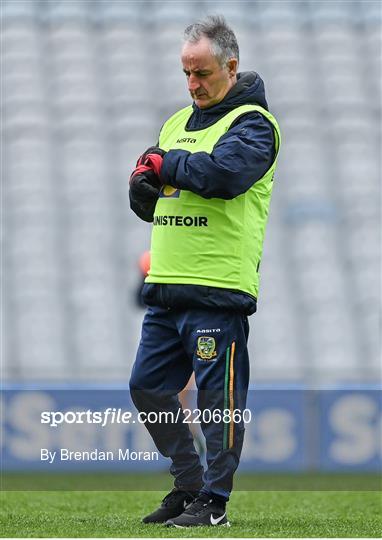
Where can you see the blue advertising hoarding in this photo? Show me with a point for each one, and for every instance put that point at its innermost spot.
(287, 429)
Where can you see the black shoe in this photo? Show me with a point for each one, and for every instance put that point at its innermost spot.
(203, 511)
(172, 506)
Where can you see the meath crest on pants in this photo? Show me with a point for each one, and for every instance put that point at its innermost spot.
(206, 348)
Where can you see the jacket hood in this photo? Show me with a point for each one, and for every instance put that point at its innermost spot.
(249, 90)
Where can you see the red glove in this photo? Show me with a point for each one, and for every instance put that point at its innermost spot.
(144, 192)
(145, 170)
(154, 162)
(145, 183)
(152, 158)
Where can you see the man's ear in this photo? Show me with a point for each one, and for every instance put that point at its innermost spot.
(232, 65)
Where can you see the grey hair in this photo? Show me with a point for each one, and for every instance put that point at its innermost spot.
(223, 40)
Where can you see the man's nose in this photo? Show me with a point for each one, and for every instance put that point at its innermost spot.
(193, 83)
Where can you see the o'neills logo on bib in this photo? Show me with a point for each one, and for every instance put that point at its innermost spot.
(181, 221)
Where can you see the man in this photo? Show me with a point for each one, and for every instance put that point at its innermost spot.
(206, 186)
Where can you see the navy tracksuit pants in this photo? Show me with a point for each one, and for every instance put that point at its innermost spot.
(213, 344)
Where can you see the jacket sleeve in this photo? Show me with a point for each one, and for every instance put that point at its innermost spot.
(240, 158)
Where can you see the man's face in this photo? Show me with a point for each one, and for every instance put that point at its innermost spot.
(208, 82)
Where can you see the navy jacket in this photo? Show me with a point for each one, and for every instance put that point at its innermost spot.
(240, 158)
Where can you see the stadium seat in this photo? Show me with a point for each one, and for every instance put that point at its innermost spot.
(20, 11)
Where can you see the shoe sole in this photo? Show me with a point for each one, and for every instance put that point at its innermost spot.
(204, 525)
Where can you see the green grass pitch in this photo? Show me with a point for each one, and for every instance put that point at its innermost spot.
(251, 513)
